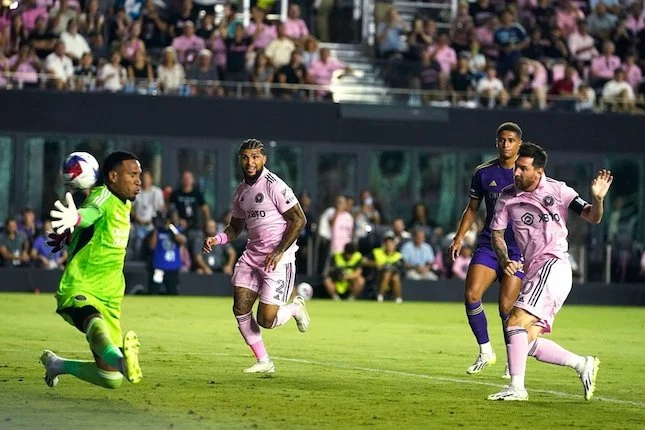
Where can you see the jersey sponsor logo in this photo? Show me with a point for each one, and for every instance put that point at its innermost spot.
(259, 198)
(492, 183)
(255, 214)
(528, 219)
(548, 201)
(80, 298)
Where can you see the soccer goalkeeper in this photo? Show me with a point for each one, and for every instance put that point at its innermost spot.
(92, 286)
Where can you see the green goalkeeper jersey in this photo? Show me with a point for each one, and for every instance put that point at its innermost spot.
(98, 247)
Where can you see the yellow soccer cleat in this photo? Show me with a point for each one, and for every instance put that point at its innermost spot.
(131, 354)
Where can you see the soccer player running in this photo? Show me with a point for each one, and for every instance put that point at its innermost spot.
(487, 183)
(92, 286)
(537, 209)
(266, 269)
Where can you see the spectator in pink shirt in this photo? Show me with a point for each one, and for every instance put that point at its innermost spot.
(636, 19)
(259, 31)
(188, 44)
(321, 71)
(603, 67)
(294, 27)
(14, 36)
(461, 263)
(217, 45)
(485, 35)
(31, 13)
(444, 54)
(633, 72)
(134, 42)
(342, 226)
(566, 18)
(26, 66)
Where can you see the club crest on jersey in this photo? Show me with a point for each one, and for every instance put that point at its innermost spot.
(259, 198)
(548, 201)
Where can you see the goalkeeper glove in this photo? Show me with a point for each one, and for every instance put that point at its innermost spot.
(65, 218)
(58, 241)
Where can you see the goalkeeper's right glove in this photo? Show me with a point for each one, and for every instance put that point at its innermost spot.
(65, 218)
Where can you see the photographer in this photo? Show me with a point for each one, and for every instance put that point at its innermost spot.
(388, 263)
(345, 277)
(165, 243)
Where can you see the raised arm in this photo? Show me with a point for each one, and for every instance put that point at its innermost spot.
(592, 213)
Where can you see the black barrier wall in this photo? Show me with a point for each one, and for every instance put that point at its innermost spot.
(168, 116)
(30, 280)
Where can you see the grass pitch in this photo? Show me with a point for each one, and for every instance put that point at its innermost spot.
(362, 364)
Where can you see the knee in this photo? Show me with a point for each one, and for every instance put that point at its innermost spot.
(515, 319)
(471, 295)
(239, 310)
(265, 322)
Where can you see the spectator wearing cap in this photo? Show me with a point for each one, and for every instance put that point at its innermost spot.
(345, 277)
(188, 44)
(418, 258)
(388, 264)
(203, 75)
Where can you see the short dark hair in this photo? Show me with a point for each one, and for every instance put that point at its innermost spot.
(350, 248)
(510, 126)
(252, 144)
(536, 152)
(114, 160)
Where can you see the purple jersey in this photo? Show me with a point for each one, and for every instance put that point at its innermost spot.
(489, 180)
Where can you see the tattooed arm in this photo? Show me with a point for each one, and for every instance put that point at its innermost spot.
(501, 249)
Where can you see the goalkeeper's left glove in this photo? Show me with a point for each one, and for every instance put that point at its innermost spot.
(65, 218)
(58, 241)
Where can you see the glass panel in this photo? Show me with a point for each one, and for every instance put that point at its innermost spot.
(336, 176)
(202, 164)
(6, 178)
(436, 186)
(237, 175)
(286, 162)
(624, 210)
(391, 182)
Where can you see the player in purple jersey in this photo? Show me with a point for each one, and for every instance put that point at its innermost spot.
(266, 270)
(487, 183)
(537, 207)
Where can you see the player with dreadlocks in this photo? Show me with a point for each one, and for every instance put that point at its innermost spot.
(274, 219)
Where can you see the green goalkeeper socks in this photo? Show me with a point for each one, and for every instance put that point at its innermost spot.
(87, 371)
(98, 336)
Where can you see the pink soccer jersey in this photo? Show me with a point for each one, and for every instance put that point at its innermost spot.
(261, 205)
(538, 219)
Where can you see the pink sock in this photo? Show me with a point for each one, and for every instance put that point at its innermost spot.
(550, 352)
(251, 333)
(517, 350)
(285, 313)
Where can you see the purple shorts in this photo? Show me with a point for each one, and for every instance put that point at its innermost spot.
(485, 256)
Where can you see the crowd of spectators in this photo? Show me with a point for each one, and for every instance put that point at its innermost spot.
(524, 54)
(181, 48)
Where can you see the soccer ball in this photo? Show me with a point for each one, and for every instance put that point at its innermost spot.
(80, 171)
(305, 290)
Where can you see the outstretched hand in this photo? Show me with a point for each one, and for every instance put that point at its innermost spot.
(600, 185)
(65, 218)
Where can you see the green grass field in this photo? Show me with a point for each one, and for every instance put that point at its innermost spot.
(362, 364)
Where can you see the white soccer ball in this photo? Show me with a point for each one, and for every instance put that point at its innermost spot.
(80, 171)
(305, 290)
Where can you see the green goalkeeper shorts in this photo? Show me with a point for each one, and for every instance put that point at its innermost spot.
(76, 306)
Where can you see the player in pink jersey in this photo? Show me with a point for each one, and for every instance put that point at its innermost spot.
(537, 208)
(274, 220)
